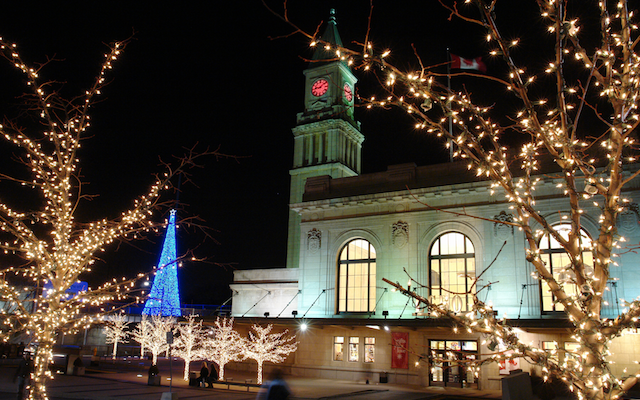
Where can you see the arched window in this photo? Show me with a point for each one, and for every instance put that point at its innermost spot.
(357, 277)
(453, 270)
(557, 261)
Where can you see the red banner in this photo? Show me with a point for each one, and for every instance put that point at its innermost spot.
(509, 365)
(400, 350)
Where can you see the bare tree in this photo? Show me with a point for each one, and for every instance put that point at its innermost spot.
(264, 346)
(585, 127)
(115, 330)
(189, 343)
(56, 248)
(223, 344)
(142, 334)
(152, 333)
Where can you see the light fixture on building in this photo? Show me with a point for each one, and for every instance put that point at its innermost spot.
(377, 327)
(303, 327)
(294, 313)
(493, 344)
(385, 314)
(266, 315)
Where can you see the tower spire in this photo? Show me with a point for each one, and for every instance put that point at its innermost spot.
(331, 37)
(164, 298)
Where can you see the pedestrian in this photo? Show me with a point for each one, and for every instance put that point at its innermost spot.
(22, 375)
(213, 375)
(277, 389)
(204, 374)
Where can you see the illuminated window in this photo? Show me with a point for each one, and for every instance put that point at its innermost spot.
(453, 269)
(572, 347)
(557, 261)
(338, 348)
(357, 277)
(354, 344)
(369, 349)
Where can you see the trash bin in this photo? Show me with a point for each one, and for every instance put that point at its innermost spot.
(193, 379)
(154, 380)
(383, 377)
(75, 366)
(78, 366)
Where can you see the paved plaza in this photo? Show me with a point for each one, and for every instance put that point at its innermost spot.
(127, 380)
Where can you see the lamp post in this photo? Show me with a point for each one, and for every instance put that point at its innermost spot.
(169, 395)
(170, 342)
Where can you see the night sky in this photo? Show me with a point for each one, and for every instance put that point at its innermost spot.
(207, 73)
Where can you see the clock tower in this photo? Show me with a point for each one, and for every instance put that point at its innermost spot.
(327, 138)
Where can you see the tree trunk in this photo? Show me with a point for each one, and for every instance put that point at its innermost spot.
(221, 374)
(41, 361)
(115, 349)
(186, 369)
(260, 372)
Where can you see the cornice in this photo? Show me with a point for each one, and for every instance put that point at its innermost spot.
(328, 124)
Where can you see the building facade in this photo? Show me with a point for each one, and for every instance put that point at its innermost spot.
(435, 228)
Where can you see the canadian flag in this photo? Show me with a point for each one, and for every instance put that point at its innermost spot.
(464, 63)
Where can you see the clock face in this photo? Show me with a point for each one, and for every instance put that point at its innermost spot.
(348, 92)
(319, 87)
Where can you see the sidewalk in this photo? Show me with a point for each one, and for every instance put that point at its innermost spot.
(127, 380)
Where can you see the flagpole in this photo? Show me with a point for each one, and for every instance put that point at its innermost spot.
(450, 116)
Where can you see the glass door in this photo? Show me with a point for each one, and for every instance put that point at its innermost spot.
(451, 363)
(436, 372)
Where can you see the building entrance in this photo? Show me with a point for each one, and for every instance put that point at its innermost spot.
(450, 361)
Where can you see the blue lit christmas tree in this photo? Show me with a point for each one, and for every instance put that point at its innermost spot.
(164, 298)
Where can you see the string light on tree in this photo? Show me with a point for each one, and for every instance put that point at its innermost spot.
(57, 248)
(188, 344)
(223, 345)
(142, 334)
(115, 331)
(264, 346)
(593, 165)
(151, 333)
(58, 254)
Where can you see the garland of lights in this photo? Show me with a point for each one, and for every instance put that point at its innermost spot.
(587, 177)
